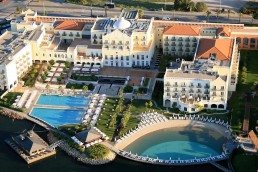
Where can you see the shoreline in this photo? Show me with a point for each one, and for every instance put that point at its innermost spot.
(168, 124)
(81, 157)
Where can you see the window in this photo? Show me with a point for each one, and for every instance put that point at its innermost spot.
(111, 57)
(127, 63)
(122, 58)
(137, 57)
(106, 57)
(142, 57)
(106, 62)
(116, 57)
(127, 57)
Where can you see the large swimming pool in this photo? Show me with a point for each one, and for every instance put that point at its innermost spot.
(56, 100)
(179, 143)
(57, 117)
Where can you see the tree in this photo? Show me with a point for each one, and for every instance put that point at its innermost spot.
(85, 88)
(229, 11)
(47, 87)
(19, 9)
(73, 89)
(217, 14)
(208, 13)
(141, 13)
(51, 62)
(240, 15)
(201, 7)
(150, 104)
(191, 6)
(146, 105)
(125, 119)
(106, 8)
(60, 88)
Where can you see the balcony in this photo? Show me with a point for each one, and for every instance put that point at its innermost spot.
(175, 90)
(187, 45)
(191, 86)
(183, 91)
(199, 91)
(194, 40)
(180, 44)
(198, 86)
(206, 92)
(180, 49)
(175, 85)
(191, 91)
(167, 84)
(173, 44)
(183, 85)
(187, 39)
(166, 44)
(207, 86)
(173, 39)
(167, 90)
(71, 34)
(57, 34)
(77, 35)
(64, 34)
(94, 37)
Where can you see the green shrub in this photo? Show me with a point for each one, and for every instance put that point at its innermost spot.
(98, 151)
(142, 90)
(128, 89)
(51, 62)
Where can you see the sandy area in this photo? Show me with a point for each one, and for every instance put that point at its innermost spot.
(169, 124)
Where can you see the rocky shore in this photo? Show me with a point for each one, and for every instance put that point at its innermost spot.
(10, 114)
(81, 156)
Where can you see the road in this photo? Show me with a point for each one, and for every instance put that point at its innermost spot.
(59, 7)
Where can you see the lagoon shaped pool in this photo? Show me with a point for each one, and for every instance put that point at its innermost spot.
(179, 143)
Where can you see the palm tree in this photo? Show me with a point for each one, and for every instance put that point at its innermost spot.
(229, 11)
(106, 8)
(150, 104)
(141, 13)
(47, 87)
(208, 13)
(217, 14)
(73, 89)
(146, 105)
(60, 88)
(191, 6)
(85, 88)
(240, 15)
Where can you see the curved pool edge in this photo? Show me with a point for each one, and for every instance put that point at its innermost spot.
(169, 124)
(154, 161)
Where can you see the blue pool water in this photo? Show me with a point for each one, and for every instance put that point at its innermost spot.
(179, 143)
(57, 117)
(56, 100)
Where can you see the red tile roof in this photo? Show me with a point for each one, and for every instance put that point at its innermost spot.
(221, 47)
(225, 30)
(70, 25)
(182, 30)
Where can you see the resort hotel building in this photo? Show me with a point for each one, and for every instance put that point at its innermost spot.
(126, 41)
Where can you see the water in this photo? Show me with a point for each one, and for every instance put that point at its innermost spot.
(179, 143)
(58, 117)
(11, 162)
(55, 100)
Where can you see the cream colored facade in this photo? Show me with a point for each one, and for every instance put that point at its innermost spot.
(193, 87)
(15, 60)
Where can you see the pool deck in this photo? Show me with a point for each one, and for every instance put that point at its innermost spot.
(60, 107)
(169, 124)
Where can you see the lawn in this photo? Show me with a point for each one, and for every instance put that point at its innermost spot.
(237, 101)
(9, 99)
(30, 78)
(104, 118)
(72, 129)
